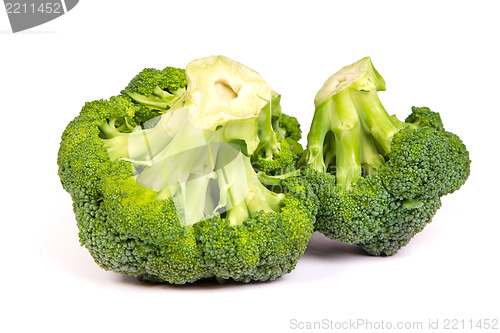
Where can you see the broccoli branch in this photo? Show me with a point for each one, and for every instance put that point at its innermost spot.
(160, 99)
(269, 145)
(348, 107)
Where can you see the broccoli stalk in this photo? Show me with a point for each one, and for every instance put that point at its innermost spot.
(159, 99)
(348, 106)
(269, 144)
(197, 152)
(247, 198)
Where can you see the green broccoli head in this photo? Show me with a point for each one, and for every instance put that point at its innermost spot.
(175, 198)
(380, 166)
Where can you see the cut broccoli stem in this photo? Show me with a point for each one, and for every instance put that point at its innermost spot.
(149, 101)
(320, 126)
(109, 130)
(117, 146)
(276, 112)
(374, 116)
(238, 213)
(275, 180)
(346, 128)
(198, 153)
(343, 121)
(159, 100)
(260, 198)
(115, 139)
(229, 168)
(371, 159)
(195, 198)
(140, 144)
(268, 118)
(242, 191)
(348, 106)
(144, 145)
(125, 127)
(330, 152)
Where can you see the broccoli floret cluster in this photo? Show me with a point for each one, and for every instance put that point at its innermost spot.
(383, 177)
(157, 89)
(162, 180)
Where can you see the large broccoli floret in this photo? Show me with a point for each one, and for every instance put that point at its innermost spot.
(178, 200)
(388, 175)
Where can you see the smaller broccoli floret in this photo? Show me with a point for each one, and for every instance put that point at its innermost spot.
(424, 117)
(289, 127)
(157, 89)
(382, 166)
(282, 163)
(148, 80)
(277, 153)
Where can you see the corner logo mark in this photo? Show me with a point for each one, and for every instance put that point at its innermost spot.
(26, 14)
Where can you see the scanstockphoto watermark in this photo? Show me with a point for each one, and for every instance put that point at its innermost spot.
(26, 14)
(370, 325)
(354, 324)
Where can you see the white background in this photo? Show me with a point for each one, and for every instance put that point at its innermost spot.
(441, 54)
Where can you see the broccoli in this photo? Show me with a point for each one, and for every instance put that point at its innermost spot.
(379, 180)
(164, 188)
(157, 89)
